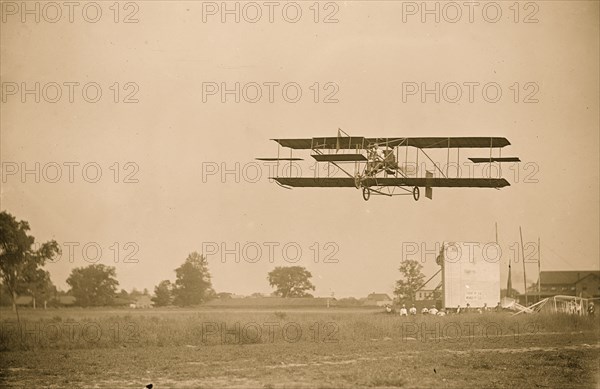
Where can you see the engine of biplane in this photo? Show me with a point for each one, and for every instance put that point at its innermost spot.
(381, 160)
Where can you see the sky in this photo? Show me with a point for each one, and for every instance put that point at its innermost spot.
(161, 163)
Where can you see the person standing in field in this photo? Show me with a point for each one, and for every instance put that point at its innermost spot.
(571, 307)
(413, 310)
(403, 311)
(591, 310)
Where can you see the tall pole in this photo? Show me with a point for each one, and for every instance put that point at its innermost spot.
(524, 272)
(496, 232)
(509, 281)
(440, 261)
(539, 286)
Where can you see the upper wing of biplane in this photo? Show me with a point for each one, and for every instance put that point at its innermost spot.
(354, 142)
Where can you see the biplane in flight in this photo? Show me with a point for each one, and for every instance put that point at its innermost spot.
(377, 169)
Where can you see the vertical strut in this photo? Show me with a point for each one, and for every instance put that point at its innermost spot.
(491, 148)
(448, 158)
(278, 147)
(457, 162)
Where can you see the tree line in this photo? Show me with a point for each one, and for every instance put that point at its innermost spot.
(22, 273)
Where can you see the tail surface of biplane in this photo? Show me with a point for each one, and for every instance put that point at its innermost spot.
(377, 169)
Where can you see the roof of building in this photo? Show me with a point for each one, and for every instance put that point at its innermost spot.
(565, 277)
(378, 297)
(144, 300)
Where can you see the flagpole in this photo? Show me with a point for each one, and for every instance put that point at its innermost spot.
(524, 271)
(509, 280)
(496, 232)
(539, 270)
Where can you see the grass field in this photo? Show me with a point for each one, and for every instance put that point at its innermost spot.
(295, 348)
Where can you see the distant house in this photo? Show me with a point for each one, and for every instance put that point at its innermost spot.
(143, 301)
(66, 301)
(584, 284)
(24, 300)
(227, 295)
(122, 301)
(424, 294)
(377, 300)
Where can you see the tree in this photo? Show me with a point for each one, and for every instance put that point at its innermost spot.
(437, 294)
(162, 293)
(19, 261)
(134, 294)
(292, 281)
(192, 284)
(94, 285)
(5, 297)
(407, 287)
(40, 287)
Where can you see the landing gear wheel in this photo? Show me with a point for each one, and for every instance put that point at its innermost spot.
(357, 180)
(416, 193)
(366, 193)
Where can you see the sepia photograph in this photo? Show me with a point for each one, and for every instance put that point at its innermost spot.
(299, 194)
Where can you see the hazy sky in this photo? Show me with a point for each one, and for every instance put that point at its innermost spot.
(174, 132)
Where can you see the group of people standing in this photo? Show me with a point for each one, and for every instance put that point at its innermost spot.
(571, 308)
(575, 308)
(412, 311)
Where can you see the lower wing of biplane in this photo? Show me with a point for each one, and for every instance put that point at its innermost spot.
(376, 167)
